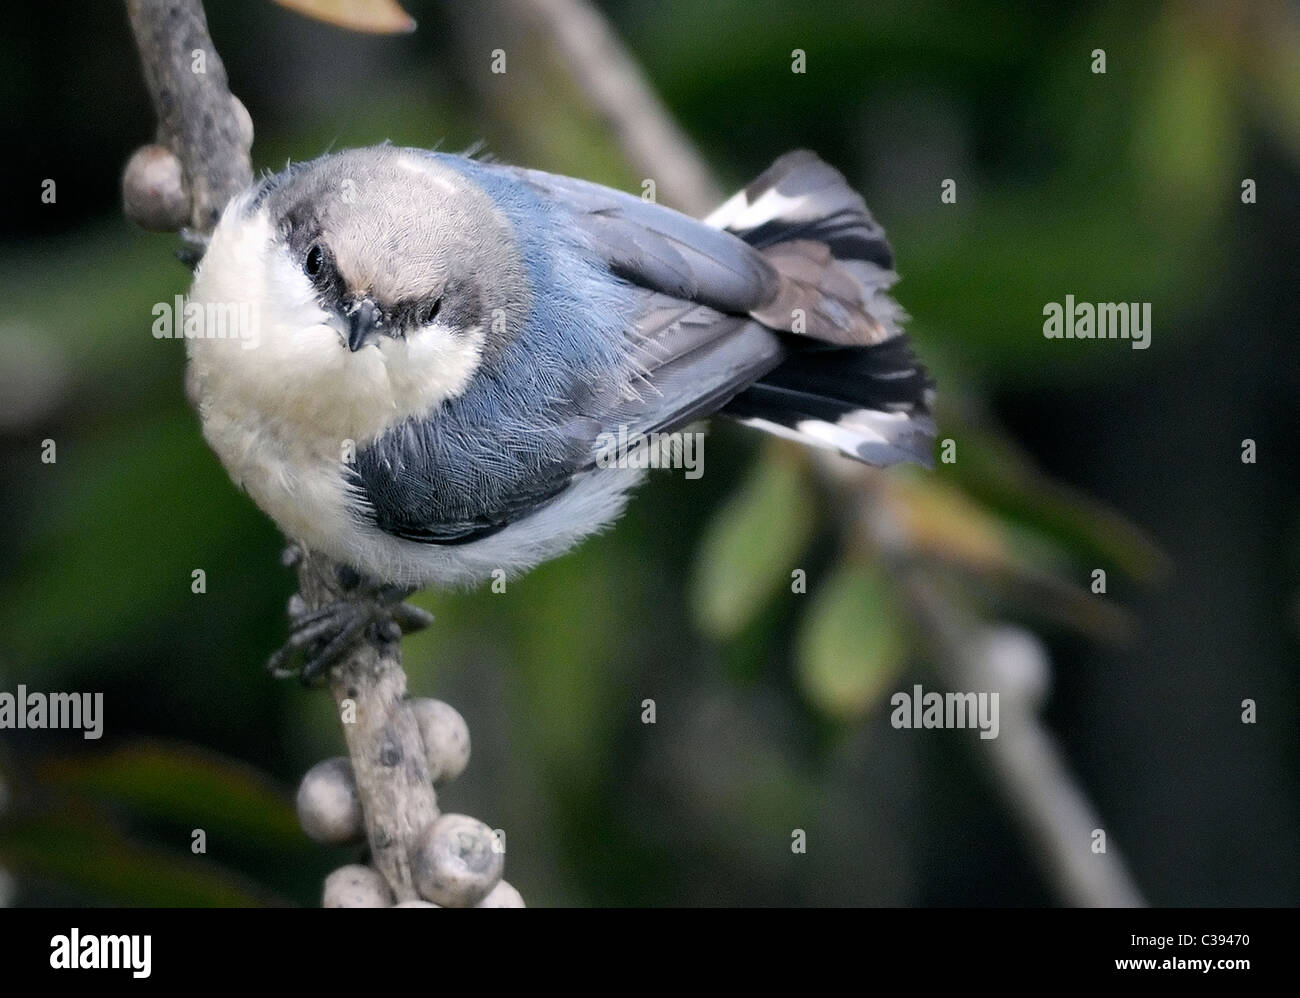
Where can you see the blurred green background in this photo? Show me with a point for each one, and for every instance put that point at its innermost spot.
(772, 707)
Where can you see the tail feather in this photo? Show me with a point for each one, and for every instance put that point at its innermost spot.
(869, 403)
(851, 382)
(801, 197)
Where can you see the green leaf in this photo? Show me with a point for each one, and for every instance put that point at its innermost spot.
(1186, 136)
(996, 474)
(752, 545)
(851, 644)
(80, 849)
(186, 785)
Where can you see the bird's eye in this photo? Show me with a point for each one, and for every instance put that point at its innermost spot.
(315, 261)
(431, 312)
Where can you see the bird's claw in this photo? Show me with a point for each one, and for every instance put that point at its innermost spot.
(320, 638)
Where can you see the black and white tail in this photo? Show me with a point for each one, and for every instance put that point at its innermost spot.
(851, 382)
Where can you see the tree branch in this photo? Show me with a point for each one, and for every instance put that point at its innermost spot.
(1024, 758)
(199, 120)
(209, 133)
(619, 93)
(389, 760)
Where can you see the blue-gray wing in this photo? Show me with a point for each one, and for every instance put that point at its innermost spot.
(694, 343)
(660, 249)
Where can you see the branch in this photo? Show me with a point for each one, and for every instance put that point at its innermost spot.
(200, 122)
(204, 136)
(619, 93)
(1025, 760)
(389, 759)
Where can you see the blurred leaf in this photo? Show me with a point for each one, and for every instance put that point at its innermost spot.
(752, 545)
(380, 17)
(1009, 558)
(1186, 132)
(87, 853)
(936, 519)
(102, 506)
(995, 472)
(183, 784)
(850, 645)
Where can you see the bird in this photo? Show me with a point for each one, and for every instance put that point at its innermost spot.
(442, 346)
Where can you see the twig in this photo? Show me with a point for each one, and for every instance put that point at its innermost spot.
(388, 755)
(618, 91)
(199, 119)
(202, 124)
(1024, 758)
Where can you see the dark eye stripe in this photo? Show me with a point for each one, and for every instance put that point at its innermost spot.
(419, 312)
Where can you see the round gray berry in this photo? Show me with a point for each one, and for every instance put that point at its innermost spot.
(457, 861)
(446, 738)
(502, 896)
(356, 887)
(329, 809)
(154, 195)
(244, 121)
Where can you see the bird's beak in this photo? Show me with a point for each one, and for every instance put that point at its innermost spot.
(363, 320)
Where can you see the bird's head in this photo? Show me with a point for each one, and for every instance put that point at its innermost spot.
(377, 279)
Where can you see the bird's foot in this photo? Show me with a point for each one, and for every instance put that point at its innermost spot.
(320, 638)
